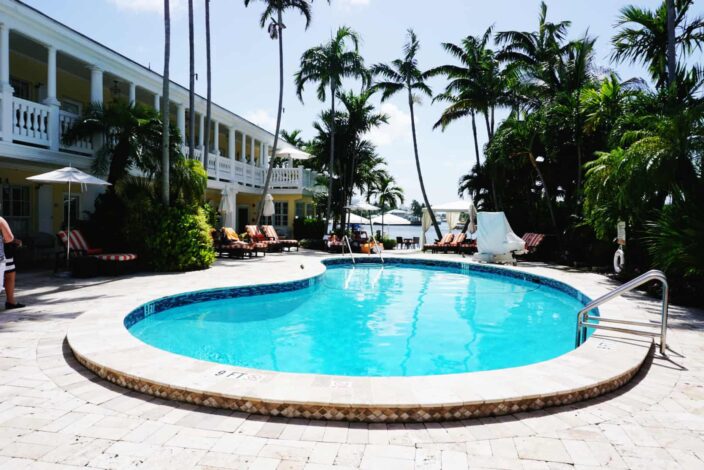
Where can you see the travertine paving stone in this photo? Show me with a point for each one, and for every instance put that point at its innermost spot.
(56, 414)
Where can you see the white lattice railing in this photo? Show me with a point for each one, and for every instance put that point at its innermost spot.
(224, 169)
(30, 122)
(66, 121)
(286, 178)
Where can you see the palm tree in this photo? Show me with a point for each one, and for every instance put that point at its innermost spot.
(477, 85)
(403, 74)
(575, 74)
(276, 29)
(327, 64)
(649, 37)
(191, 84)
(208, 103)
(131, 137)
(356, 159)
(165, 107)
(294, 138)
(536, 55)
(388, 196)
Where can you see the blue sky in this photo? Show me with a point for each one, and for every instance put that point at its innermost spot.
(245, 66)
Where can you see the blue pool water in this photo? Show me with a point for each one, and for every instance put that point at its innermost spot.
(369, 320)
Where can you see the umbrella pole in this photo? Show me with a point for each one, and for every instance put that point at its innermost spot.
(68, 225)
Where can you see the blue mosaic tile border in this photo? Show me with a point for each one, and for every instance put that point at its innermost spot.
(189, 298)
(165, 303)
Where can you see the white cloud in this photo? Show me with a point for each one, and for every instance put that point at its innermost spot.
(398, 128)
(262, 118)
(150, 6)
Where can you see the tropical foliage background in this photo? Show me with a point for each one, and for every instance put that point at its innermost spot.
(572, 147)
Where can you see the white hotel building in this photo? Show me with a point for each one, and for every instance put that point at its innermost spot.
(50, 72)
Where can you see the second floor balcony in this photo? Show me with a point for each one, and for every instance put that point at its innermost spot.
(45, 86)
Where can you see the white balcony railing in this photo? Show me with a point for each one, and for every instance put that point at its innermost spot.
(30, 122)
(66, 121)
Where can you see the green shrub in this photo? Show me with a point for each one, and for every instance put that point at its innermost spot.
(308, 228)
(181, 241)
(389, 243)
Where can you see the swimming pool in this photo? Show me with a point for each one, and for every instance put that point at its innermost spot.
(401, 318)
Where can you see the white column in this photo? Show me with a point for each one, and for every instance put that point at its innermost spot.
(181, 119)
(243, 154)
(265, 155)
(231, 143)
(201, 134)
(133, 93)
(252, 151)
(216, 138)
(96, 84)
(51, 101)
(6, 90)
(157, 102)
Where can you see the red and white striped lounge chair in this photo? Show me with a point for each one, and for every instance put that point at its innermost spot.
(270, 233)
(533, 241)
(260, 239)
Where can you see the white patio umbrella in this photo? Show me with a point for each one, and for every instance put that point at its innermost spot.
(228, 206)
(391, 219)
(293, 153)
(268, 206)
(69, 175)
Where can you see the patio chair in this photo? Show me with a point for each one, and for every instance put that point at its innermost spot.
(459, 243)
(533, 241)
(271, 234)
(416, 242)
(441, 244)
(227, 242)
(334, 244)
(105, 263)
(399, 242)
(259, 240)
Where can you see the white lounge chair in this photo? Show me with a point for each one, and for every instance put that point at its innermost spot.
(496, 242)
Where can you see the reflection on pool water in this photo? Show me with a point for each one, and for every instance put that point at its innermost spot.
(374, 320)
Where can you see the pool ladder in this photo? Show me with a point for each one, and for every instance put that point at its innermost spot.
(583, 317)
(346, 242)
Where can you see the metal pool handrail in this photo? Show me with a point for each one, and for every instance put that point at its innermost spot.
(583, 316)
(346, 239)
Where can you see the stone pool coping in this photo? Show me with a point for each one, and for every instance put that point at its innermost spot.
(101, 342)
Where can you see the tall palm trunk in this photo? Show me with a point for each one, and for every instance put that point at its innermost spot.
(191, 85)
(270, 171)
(420, 173)
(476, 141)
(547, 192)
(206, 150)
(165, 107)
(671, 54)
(332, 152)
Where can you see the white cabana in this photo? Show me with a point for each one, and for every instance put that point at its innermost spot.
(496, 242)
(228, 206)
(69, 175)
(452, 212)
(391, 219)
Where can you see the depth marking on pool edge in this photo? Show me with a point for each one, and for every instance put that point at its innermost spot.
(233, 374)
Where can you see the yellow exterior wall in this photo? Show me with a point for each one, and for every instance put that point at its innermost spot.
(19, 178)
(251, 200)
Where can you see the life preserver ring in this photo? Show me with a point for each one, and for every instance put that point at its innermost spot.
(619, 260)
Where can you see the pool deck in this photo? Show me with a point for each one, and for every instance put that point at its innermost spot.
(100, 341)
(55, 412)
